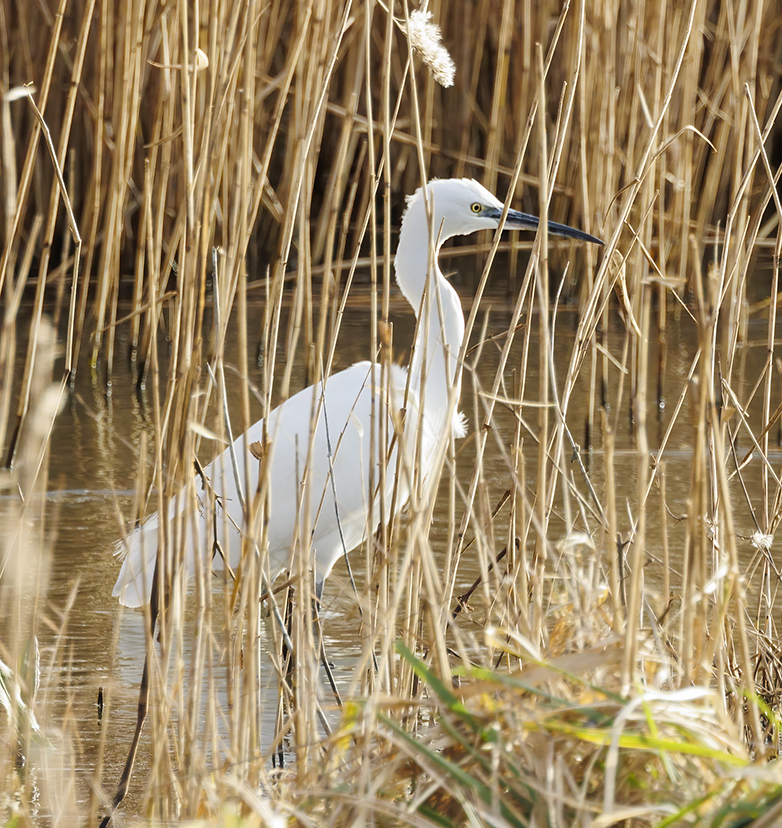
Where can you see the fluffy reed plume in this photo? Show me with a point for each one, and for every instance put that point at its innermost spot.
(583, 629)
(427, 42)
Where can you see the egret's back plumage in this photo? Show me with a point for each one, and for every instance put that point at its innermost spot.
(348, 401)
(348, 398)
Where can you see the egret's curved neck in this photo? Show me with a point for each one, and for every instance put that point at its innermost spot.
(441, 321)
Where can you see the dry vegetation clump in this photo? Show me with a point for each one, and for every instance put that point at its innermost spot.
(180, 177)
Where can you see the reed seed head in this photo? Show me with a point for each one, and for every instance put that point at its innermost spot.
(427, 42)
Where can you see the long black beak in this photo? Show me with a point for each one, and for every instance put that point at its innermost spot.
(524, 221)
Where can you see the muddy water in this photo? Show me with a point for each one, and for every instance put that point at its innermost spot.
(92, 475)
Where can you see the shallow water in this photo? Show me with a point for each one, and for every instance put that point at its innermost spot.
(92, 473)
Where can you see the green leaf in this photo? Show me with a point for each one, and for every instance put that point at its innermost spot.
(451, 769)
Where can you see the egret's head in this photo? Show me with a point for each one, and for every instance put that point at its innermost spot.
(462, 206)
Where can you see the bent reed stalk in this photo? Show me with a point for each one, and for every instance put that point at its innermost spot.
(235, 172)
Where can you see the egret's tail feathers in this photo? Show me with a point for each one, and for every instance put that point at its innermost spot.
(137, 552)
(122, 546)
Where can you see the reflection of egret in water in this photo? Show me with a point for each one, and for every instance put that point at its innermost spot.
(341, 461)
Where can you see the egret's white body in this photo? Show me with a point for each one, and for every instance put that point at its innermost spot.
(346, 406)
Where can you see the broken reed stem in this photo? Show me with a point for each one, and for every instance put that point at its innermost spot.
(542, 293)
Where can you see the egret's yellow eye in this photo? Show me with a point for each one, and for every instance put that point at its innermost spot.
(476, 207)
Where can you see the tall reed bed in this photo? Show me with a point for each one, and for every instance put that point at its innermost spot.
(180, 158)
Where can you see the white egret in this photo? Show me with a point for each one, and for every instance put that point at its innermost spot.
(343, 459)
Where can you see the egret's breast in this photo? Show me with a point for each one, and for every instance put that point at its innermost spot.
(459, 425)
